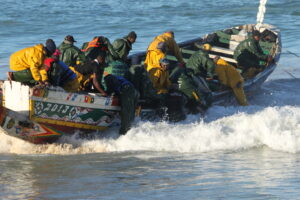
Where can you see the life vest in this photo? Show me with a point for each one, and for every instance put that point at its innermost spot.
(48, 63)
(58, 77)
(97, 42)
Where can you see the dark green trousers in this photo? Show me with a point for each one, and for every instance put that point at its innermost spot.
(129, 98)
(24, 76)
(141, 81)
(247, 60)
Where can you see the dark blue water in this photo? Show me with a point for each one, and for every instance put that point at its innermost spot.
(233, 153)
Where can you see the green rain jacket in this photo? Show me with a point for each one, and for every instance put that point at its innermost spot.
(249, 46)
(122, 47)
(70, 54)
(201, 64)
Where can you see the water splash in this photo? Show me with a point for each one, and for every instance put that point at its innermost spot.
(275, 127)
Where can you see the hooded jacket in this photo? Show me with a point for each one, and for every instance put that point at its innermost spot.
(152, 59)
(70, 54)
(201, 64)
(122, 47)
(249, 46)
(30, 58)
(170, 43)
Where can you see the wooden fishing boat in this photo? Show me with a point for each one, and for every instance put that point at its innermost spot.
(42, 115)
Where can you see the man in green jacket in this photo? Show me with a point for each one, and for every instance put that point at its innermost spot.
(123, 46)
(199, 96)
(248, 53)
(201, 64)
(70, 54)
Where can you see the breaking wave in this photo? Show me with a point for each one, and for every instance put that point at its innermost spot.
(275, 127)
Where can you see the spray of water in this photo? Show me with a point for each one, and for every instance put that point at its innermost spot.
(275, 127)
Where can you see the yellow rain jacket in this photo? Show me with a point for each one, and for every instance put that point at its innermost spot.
(170, 42)
(80, 82)
(30, 58)
(229, 76)
(158, 77)
(152, 59)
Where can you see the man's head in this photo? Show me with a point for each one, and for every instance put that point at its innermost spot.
(131, 37)
(50, 47)
(69, 39)
(256, 35)
(164, 63)
(171, 33)
(101, 59)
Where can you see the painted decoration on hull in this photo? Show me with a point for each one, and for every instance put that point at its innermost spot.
(27, 129)
(69, 113)
(74, 110)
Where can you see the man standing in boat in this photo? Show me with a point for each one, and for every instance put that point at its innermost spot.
(28, 64)
(70, 54)
(117, 57)
(123, 46)
(171, 46)
(128, 97)
(248, 54)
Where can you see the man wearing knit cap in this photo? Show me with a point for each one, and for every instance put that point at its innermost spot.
(28, 64)
(248, 54)
(123, 46)
(70, 54)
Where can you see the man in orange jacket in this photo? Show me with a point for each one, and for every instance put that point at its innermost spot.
(28, 64)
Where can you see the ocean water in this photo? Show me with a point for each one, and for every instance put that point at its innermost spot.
(231, 153)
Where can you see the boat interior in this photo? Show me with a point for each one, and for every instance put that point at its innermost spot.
(224, 42)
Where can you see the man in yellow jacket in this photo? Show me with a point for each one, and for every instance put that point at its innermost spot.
(28, 63)
(157, 67)
(230, 77)
(171, 45)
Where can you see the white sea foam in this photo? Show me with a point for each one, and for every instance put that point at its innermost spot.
(275, 127)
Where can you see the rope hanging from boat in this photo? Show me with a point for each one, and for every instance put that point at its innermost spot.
(261, 13)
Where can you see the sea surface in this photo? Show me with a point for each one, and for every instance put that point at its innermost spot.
(232, 153)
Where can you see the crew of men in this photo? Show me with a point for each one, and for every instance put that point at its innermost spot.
(103, 67)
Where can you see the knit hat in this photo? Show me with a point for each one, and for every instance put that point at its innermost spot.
(50, 46)
(132, 34)
(70, 38)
